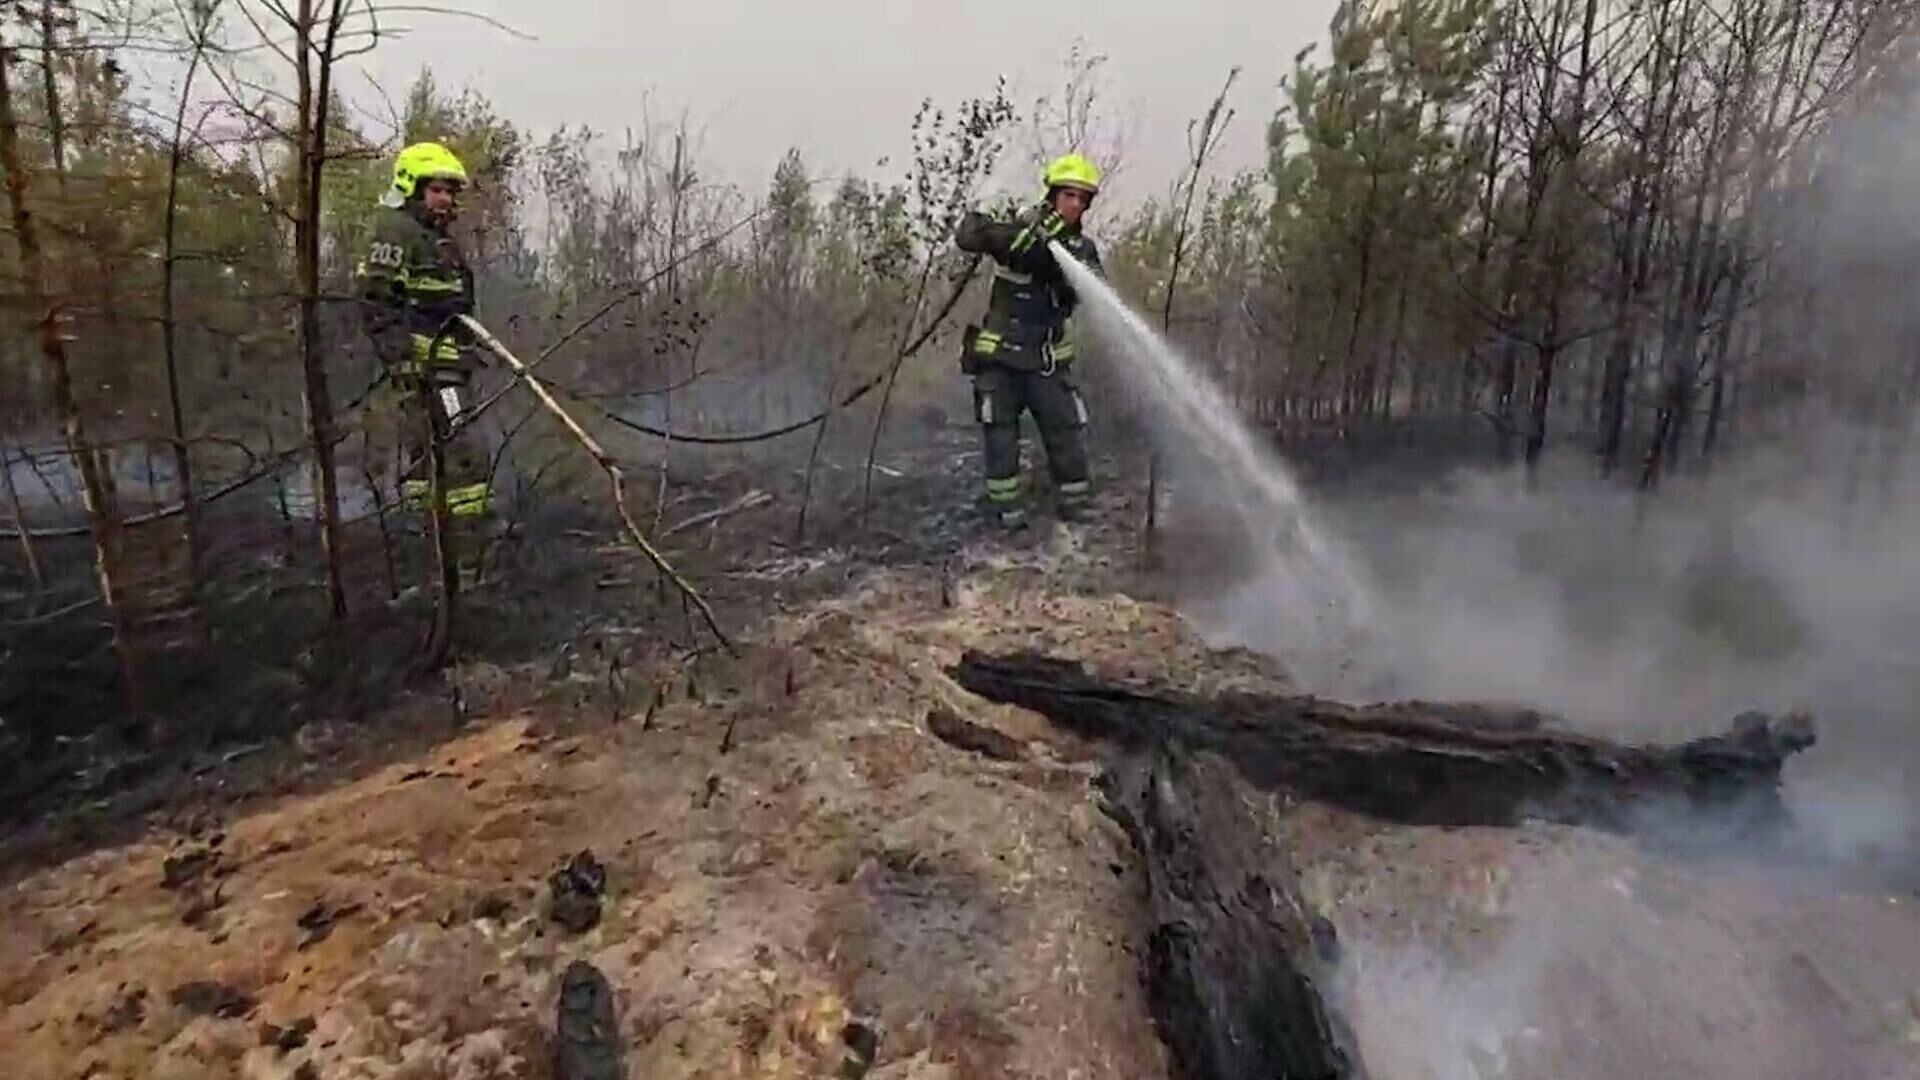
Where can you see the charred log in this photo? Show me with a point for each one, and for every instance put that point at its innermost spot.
(1234, 960)
(1408, 762)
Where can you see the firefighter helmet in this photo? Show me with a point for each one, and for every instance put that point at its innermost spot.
(420, 162)
(1073, 171)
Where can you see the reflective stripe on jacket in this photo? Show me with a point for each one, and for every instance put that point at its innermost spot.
(412, 279)
(1029, 318)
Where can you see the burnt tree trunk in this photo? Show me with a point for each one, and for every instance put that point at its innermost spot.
(1233, 964)
(1235, 958)
(1414, 763)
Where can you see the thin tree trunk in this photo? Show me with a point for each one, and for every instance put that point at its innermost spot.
(169, 328)
(1635, 250)
(1680, 362)
(1393, 359)
(380, 514)
(1541, 145)
(50, 86)
(20, 527)
(820, 433)
(1618, 366)
(1558, 255)
(53, 350)
(311, 135)
(1770, 146)
(677, 191)
(1716, 399)
(1589, 407)
(1506, 379)
(1202, 140)
(1469, 384)
(893, 374)
(280, 501)
(1356, 375)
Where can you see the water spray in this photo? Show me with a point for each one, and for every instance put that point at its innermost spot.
(1305, 581)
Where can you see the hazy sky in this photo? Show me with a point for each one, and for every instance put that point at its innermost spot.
(841, 78)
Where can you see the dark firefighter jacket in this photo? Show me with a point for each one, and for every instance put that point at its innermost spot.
(1028, 325)
(413, 279)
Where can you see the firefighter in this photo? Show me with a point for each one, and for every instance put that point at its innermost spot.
(1021, 358)
(413, 281)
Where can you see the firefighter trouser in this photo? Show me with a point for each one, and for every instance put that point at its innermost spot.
(425, 416)
(429, 416)
(1000, 395)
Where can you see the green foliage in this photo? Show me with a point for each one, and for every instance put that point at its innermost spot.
(1367, 169)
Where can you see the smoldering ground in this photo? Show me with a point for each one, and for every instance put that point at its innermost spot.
(1545, 952)
(1775, 583)
(1771, 585)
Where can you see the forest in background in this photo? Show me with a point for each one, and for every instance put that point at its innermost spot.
(1651, 234)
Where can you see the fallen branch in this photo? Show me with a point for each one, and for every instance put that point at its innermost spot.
(607, 465)
(745, 502)
(54, 615)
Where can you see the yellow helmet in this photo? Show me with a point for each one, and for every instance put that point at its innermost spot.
(422, 161)
(1073, 171)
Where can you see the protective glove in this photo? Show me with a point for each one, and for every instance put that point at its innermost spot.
(456, 331)
(1041, 223)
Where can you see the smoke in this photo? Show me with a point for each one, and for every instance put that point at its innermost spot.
(1595, 961)
(1786, 580)
(1763, 587)
(1785, 577)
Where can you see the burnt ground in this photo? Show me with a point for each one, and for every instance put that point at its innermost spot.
(283, 700)
(823, 856)
(789, 852)
(278, 679)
